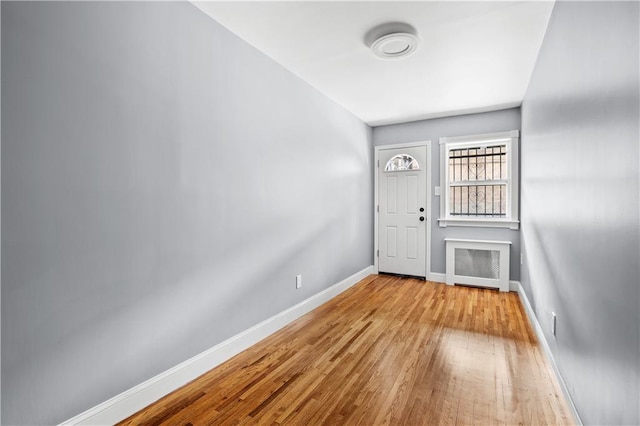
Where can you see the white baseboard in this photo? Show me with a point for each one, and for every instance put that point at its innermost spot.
(133, 400)
(547, 350)
(437, 277)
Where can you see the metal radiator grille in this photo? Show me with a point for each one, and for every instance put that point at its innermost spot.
(477, 263)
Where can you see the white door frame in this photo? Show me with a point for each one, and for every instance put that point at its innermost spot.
(376, 204)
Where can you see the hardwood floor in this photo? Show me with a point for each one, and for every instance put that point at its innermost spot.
(387, 351)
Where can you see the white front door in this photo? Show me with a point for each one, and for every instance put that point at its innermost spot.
(402, 220)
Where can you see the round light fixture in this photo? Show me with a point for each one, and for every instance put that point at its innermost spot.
(395, 46)
(394, 40)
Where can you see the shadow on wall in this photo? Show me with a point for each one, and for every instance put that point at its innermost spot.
(582, 293)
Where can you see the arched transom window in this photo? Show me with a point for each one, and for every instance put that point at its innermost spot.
(402, 162)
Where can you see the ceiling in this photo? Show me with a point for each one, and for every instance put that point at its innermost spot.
(473, 56)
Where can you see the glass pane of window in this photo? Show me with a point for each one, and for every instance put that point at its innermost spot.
(478, 163)
(478, 200)
(471, 172)
(402, 162)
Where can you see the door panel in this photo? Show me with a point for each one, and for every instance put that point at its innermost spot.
(412, 243)
(392, 241)
(402, 193)
(412, 194)
(392, 195)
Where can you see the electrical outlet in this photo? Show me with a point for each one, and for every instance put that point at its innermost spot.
(554, 322)
(298, 281)
(436, 191)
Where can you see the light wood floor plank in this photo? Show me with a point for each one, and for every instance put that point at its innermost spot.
(389, 350)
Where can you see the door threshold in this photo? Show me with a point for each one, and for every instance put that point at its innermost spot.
(403, 275)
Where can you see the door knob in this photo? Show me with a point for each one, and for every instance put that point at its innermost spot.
(421, 209)
(421, 218)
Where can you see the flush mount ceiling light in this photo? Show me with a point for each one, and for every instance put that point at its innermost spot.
(395, 40)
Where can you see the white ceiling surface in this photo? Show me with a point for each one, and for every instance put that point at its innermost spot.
(473, 56)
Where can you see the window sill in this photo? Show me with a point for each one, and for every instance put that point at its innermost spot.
(480, 223)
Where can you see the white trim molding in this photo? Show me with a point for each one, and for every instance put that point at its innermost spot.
(533, 320)
(437, 277)
(480, 223)
(510, 139)
(133, 400)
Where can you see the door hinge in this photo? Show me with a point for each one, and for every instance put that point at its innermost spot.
(378, 208)
(377, 253)
(378, 163)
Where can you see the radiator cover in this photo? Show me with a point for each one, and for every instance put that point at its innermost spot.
(478, 262)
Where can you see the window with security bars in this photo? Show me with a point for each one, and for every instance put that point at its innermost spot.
(478, 181)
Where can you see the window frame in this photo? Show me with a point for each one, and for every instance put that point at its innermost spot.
(510, 139)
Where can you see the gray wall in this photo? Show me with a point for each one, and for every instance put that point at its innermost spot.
(433, 130)
(0, 218)
(163, 183)
(580, 229)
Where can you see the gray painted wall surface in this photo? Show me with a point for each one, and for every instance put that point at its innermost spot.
(163, 183)
(0, 218)
(580, 230)
(432, 130)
